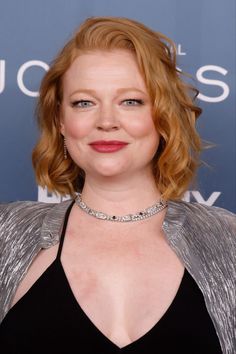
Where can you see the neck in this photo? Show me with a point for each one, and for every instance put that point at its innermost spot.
(114, 196)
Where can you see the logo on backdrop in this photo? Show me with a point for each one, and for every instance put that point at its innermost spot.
(20, 75)
(201, 75)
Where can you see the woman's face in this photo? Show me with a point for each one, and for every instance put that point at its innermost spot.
(105, 100)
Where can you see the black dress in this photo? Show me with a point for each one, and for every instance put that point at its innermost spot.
(48, 320)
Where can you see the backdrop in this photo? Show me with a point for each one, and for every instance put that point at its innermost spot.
(32, 32)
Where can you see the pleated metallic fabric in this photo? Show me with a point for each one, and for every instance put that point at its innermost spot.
(203, 237)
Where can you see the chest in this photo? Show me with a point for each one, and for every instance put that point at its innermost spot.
(124, 288)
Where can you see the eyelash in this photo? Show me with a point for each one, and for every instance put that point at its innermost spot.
(134, 100)
(76, 103)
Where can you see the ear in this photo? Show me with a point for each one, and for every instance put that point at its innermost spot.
(62, 127)
(61, 120)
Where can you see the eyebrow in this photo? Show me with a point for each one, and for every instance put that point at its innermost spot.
(119, 91)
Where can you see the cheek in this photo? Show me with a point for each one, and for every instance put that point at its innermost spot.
(77, 129)
(141, 127)
(143, 130)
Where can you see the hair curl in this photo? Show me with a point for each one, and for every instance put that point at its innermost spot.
(174, 110)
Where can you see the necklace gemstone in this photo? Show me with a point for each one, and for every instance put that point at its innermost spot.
(143, 214)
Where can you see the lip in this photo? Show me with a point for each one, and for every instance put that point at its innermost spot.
(107, 145)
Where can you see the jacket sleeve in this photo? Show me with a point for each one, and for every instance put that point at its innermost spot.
(227, 221)
(220, 222)
(20, 232)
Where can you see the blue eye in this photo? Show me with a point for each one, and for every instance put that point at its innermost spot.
(82, 104)
(132, 102)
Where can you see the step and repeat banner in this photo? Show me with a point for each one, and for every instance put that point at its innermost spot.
(32, 32)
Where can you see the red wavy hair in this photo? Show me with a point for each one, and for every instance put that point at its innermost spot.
(174, 110)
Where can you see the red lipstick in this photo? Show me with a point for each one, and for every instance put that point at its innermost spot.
(107, 145)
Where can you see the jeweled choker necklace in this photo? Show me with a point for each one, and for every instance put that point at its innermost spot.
(140, 215)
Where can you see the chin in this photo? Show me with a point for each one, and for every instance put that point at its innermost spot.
(109, 166)
(109, 170)
(109, 173)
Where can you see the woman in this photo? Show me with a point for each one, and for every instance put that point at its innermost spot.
(125, 266)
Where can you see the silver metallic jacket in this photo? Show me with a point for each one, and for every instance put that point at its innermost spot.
(203, 237)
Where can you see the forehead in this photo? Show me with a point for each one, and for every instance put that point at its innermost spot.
(104, 68)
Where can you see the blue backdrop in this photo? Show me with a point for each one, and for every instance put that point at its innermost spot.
(32, 32)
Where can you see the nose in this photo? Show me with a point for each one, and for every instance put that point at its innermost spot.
(107, 118)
